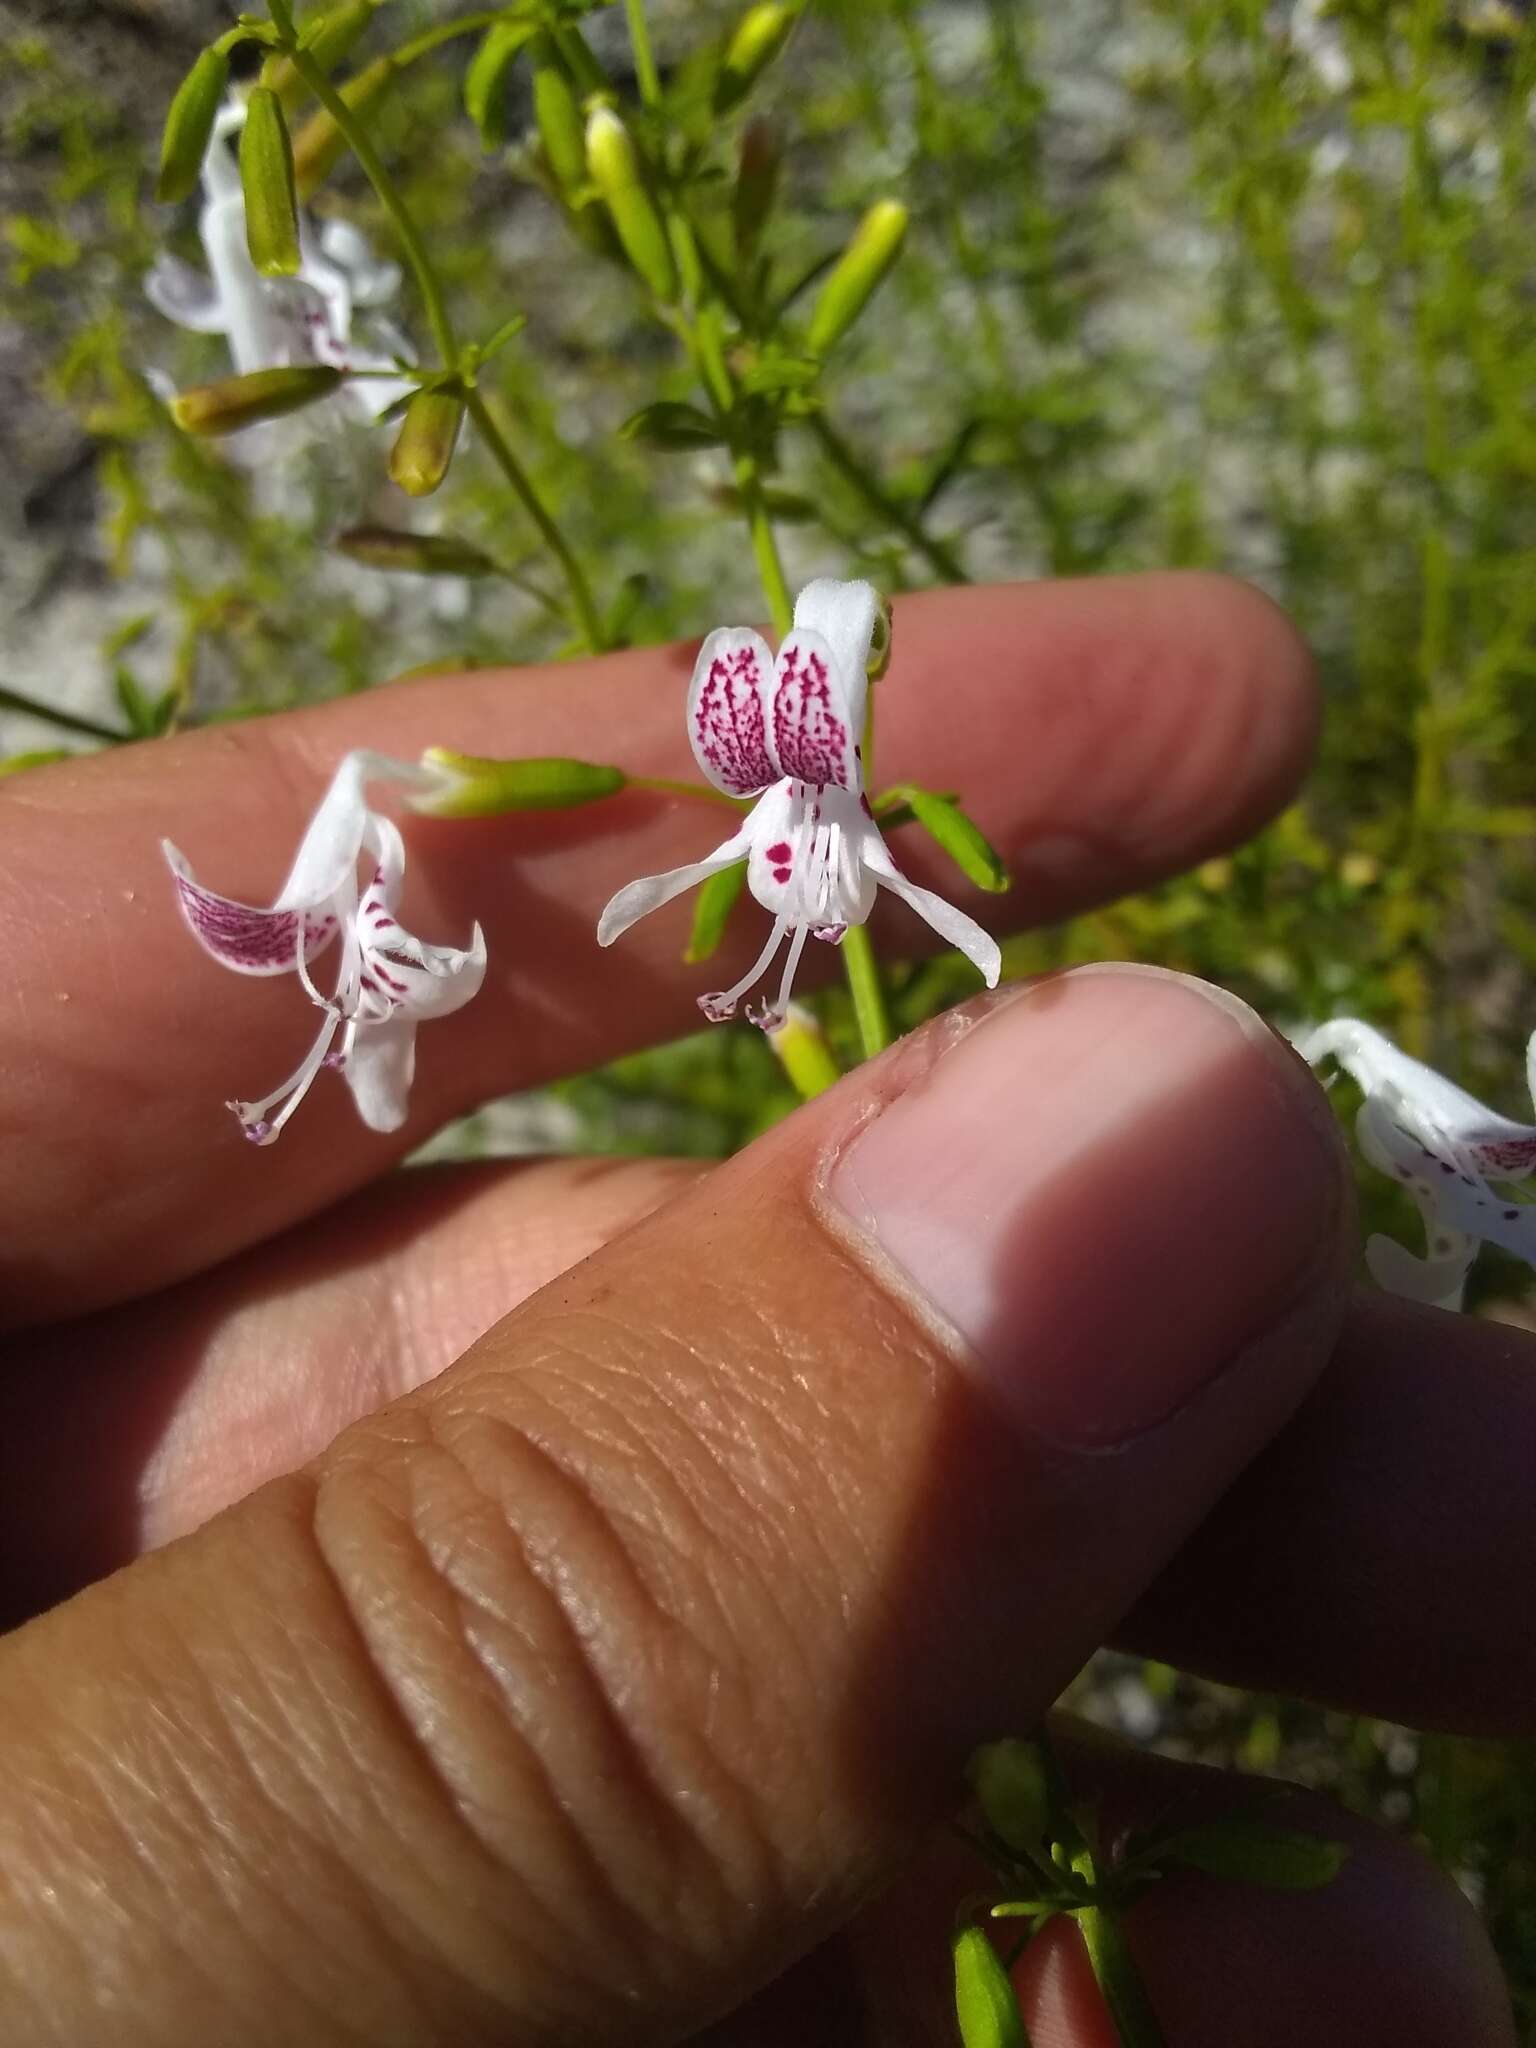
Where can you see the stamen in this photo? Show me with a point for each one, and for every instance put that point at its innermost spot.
(770, 1019)
(255, 1123)
(720, 1004)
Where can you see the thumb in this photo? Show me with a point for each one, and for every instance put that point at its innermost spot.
(571, 1697)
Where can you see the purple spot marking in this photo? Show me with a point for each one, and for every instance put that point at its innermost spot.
(779, 853)
(728, 724)
(242, 936)
(808, 736)
(1510, 1215)
(782, 874)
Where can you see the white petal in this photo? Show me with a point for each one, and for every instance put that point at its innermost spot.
(640, 898)
(380, 1067)
(1446, 1117)
(258, 336)
(817, 718)
(728, 699)
(962, 932)
(240, 935)
(1438, 1281)
(844, 614)
(373, 280)
(328, 853)
(184, 295)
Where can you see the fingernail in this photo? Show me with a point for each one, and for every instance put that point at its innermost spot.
(1105, 1190)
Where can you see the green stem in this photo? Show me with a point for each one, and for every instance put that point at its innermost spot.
(445, 32)
(13, 700)
(863, 972)
(646, 76)
(937, 553)
(522, 484)
(1118, 1978)
(389, 198)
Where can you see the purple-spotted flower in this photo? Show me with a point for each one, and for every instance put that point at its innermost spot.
(787, 732)
(1447, 1150)
(282, 322)
(387, 981)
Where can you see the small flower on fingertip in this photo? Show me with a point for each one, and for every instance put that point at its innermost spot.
(387, 980)
(1446, 1149)
(787, 733)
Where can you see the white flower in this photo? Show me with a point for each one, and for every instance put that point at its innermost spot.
(1447, 1150)
(386, 980)
(788, 733)
(281, 322)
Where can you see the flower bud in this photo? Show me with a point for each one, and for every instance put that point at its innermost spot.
(189, 124)
(558, 119)
(485, 82)
(236, 402)
(469, 786)
(327, 42)
(319, 143)
(424, 447)
(985, 2004)
(757, 183)
(858, 274)
(1009, 1781)
(801, 1048)
(616, 171)
(760, 35)
(422, 554)
(266, 177)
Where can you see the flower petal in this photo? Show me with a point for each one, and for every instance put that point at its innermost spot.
(844, 614)
(328, 852)
(728, 711)
(184, 295)
(240, 936)
(379, 1069)
(1438, 1280)
(639, 899)
(962, 932)
(372, 279)
(818, 713)
(1455, 1123)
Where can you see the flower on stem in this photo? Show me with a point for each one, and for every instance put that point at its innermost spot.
(387, 981)
(1446, 1149)
(282, 322)
(788, 733)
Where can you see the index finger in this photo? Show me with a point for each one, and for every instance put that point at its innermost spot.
(1104, 734)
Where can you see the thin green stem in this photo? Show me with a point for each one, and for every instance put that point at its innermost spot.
(522, 484)
(646, 75)
(699, 791)
(1118, 1978)
(72, 721)
(937, 553)
(864, 985)
(445, 32)
(390, 199)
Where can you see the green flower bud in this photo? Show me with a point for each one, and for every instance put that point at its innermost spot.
(236, 402)
(760, 35)
(757, 183)
(469, 786)
(327, 41)
(614, 164)
(319, 143)
(1009, 1781)
(189, 124)
(858, 274)
(424, 447)
(558, 119)
(485, 82)
(985, 2004)
(423, 554)
(801, 1048)
(266, 177)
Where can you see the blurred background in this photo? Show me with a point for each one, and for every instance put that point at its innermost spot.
(1189, 282)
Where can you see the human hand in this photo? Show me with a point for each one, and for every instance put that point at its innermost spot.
(581, 1688)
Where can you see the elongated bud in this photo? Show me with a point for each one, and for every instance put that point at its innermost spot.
(858, 274)
(189, 124)
(558, 118)
(422, 554)
(760, 36)
(266, 178)
(757, 184)
(616, 171)
(326, 42)
(470, 786)
(485, 82)
(801, 1048)
(1009, 1781)
(236, 402)
(985, 2004)
(319, 143)
(424, 447)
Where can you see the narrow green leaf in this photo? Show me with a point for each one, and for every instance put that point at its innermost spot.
(1009, 1781)
(1252, 1852)
(670, 424)
(712, 906)
(963, 840)
(985, 2004)
(422, 554)
(40, 757)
